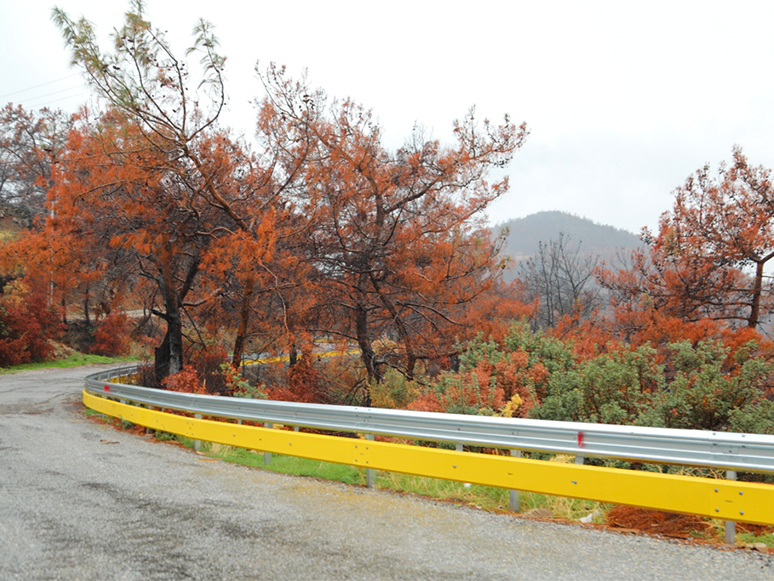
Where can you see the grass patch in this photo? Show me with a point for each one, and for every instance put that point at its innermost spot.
(766, 538)
(489, 497)
(287, 464)
(77, 360)
(97, 415)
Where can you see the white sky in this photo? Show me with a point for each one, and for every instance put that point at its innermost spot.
(624, 100)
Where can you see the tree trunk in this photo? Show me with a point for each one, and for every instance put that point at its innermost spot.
(169, 355)
(175, 331)
(405, 337)
(161, 359)
(244, 323)
(364, 342)
(755, 310)
(86, 309)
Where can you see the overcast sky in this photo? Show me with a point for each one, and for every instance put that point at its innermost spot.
(624, 100)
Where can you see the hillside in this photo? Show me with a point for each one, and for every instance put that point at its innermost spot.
(597, 239)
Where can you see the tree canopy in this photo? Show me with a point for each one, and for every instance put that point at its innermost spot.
(319, 231)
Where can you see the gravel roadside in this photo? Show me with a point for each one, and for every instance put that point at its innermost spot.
(79, 500)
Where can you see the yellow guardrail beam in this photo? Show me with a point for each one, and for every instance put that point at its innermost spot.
(320, 355)
(722, 499)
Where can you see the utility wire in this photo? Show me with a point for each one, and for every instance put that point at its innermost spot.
(36, 97)
(75, 96)
(37, 86)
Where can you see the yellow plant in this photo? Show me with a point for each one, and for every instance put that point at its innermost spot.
(512, 405)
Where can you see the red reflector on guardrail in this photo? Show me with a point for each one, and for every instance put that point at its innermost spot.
(107, 388)
(580, 439)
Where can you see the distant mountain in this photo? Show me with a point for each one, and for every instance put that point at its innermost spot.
(525, 234)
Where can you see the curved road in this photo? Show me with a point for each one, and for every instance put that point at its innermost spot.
(80, 500)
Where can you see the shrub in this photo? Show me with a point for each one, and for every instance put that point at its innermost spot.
(702, 386)
(708, 394)
(112, 336)
(472, 391)
(304, 383)
(207, 358)
(238, 386)
(186, 380)
(27, 323)
(395, 391)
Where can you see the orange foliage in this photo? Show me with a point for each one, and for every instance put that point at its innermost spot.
(27, 322)
(426, 402)
(487, 388)
(112, 336)
(395, 238)
(186, 380)
(708, 258)
(303, 384)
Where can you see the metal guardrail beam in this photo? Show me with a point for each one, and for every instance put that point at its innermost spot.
(724, 499)
(724, 450)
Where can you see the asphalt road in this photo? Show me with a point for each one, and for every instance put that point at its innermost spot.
(80, 500)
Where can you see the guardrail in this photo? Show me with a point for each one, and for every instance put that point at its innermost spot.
(720, 498)
(724, 450)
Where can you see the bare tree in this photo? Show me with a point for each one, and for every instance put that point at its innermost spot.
(561, 278)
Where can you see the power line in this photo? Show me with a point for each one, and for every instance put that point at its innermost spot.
(75, 96)
(37, 86)
(36, 97)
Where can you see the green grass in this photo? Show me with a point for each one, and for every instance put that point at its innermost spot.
(76, 360)
(287, 464)
(767, 538)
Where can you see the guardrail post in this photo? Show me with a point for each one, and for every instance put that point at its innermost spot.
(150, 431)
(267, 455)
(580, 458)
(459, 448)
(730, 525)
(197, 444)
(370, 474)
(515, 494)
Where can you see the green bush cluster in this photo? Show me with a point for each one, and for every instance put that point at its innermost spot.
(701, 386)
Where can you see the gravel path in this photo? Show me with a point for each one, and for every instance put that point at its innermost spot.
(79, 500)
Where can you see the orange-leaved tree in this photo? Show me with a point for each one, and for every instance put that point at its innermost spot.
(198, 167)
(708, 258)
(112, 204)
(30, 142)
(395, 238)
